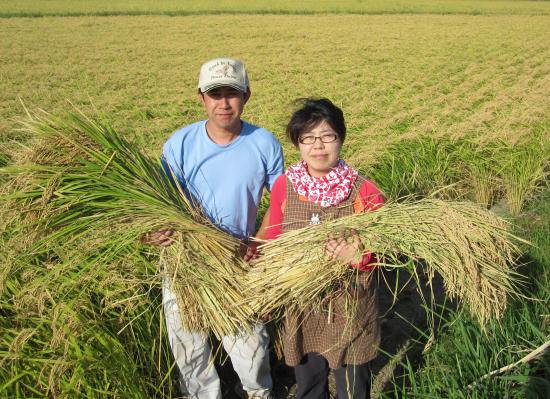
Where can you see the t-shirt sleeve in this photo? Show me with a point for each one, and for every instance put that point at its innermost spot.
(275, 165)
(172, 159)
(276, 201)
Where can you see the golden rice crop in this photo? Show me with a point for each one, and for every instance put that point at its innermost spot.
(396, 76)
(470, 247)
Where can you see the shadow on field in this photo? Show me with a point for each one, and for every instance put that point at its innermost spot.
(536, 278)
(538, 386)
(283, 376)
(403, 324)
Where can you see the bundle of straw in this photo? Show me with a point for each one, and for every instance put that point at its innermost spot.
(470, 247)
(110, 194)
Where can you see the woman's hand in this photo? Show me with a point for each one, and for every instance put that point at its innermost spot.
(266, 317)
(161, 238)
(345, 247)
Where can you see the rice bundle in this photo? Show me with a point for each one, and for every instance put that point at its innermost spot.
(207, 280)
(470, 247)
(106, 195)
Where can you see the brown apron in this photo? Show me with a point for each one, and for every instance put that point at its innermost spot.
(340, 334)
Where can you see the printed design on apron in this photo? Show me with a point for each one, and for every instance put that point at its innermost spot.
(314, 219)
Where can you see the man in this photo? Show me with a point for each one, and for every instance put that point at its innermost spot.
(224, 163)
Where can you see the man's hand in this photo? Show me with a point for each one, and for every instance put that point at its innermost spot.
(251, 247)
(346, 247)
(161, 238)
(250, 251)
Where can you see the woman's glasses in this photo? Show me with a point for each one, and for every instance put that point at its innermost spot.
(325, 138)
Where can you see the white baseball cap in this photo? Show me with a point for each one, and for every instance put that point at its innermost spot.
(223, 72)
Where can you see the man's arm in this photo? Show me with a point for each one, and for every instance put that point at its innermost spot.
(252, 249)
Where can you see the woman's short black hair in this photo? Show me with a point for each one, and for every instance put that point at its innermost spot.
(312, 112)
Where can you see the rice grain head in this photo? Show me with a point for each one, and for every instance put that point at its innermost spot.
(471, 248)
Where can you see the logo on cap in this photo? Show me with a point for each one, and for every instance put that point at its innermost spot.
(223, 71)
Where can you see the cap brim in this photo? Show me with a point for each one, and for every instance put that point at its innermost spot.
(213, 86)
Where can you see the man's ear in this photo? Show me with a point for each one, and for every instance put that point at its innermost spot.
(200, 96)
(247, 95)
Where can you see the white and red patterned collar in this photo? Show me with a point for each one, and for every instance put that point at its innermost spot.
(328, 190)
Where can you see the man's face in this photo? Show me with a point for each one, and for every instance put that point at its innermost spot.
(224, 106)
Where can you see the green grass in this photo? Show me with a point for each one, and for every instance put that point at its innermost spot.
(523, 168)
(462, 168)
(64, 335)
(4, 160)
(34, 8)
(419, 167)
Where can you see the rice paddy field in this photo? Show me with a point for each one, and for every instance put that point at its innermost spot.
(444, 97)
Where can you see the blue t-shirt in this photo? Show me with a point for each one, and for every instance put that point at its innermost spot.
(227, 180)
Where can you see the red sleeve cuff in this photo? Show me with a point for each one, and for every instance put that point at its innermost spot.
(364, 265)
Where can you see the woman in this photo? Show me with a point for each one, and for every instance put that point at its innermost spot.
(318, 188)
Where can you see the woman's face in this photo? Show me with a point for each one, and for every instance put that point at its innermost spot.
(320, 149)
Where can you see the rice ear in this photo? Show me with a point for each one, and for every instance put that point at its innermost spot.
(470, 247)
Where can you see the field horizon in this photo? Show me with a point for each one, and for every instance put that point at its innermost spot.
(34, 8)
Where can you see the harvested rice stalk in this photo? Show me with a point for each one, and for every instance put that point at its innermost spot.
(108, 197)
(470, 247)
(207, 289)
